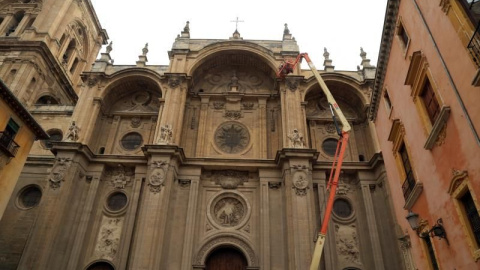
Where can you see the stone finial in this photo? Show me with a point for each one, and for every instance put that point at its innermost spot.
(145, 49)
(236, 35)
(365, 61)
(286, 33)
(327, 63)
(186, 31)
(109, 47)
(363, 54)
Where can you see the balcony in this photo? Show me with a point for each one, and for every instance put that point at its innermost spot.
(472, 8)
(8, 145)
(408, 185)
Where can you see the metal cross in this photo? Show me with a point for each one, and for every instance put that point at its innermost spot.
(236, 23)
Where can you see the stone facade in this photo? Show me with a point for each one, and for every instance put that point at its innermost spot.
(157, 167)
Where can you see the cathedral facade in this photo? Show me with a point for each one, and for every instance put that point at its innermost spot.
(210, 161)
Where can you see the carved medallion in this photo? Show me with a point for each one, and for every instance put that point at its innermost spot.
(228, 212)
(300, 183)
(232, 137)
(156, 180)
(58, 172)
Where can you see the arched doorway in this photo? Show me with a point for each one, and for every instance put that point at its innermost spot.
(226, 259)
(101, 266)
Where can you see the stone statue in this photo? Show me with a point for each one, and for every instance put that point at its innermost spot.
(72, 134)
(109, 47)
(145, 49)
(296, 139)
(166, 134)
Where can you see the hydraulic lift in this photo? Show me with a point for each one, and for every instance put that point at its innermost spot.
(286, 68)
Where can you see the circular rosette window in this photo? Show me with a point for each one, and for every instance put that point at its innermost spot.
(229, 210)
(232, 137)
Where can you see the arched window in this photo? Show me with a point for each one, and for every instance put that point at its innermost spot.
(74, 65)
(46, 100)
(69, 51)
(17, 18)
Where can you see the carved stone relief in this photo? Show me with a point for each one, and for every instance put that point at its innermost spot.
(230, 179)
(228, 212)
(248, 105)
(120, 176)
(347, 244)
(58, 172)
(232, 137)
(296, 139)
(108, 238)
(218, 105)
(300, 183)
(292, 83)
(135, 122)
(166, 134)
(233, 115)
(157, 177)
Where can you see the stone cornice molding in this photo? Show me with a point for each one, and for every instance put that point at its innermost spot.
(388, 32)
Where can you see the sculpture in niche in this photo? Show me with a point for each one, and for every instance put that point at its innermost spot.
(166, 134)
(228, 212)
(156, 180)
(58, 172)
(72, 133)
(230, 179)
(233, 86)
(232, 137)
(300, 183)
(296, 139)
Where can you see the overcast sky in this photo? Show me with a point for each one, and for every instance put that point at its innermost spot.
(342, 26)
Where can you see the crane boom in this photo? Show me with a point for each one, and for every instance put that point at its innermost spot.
(284, 70)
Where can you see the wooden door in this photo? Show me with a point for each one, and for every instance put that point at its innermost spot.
(226, 259)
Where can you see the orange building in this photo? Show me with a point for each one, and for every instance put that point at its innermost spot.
(18, 131)
(426, 110)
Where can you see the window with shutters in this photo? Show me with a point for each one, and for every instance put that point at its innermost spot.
(466, 204)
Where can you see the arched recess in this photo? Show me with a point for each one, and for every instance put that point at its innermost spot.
(46, 100)
(75, 47)
(100, 265)
(129, 111)
(239, 83)
(353, 103)
(220, 241)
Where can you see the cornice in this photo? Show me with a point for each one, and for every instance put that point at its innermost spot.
(21, 112)
(383, 55)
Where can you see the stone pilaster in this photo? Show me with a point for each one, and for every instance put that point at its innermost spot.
(292, 115)
(296, 165)
(173, 110)
(187, 255)
(149, 242)
(372, 225)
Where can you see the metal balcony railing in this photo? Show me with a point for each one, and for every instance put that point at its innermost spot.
(8, 145)
(408, 185)
(474, 46)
